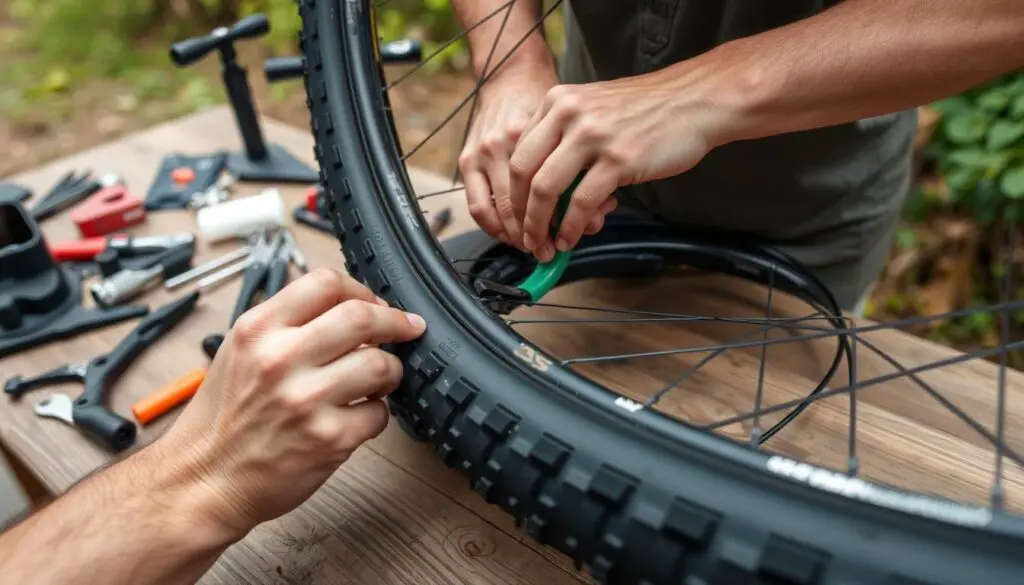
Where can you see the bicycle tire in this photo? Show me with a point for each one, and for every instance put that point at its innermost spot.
(632, 496)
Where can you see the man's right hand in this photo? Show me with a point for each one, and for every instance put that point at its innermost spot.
(296, 387)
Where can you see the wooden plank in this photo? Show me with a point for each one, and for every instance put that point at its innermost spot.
(395, 514)
(373, 522)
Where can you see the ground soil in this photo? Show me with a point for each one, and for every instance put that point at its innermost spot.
(98, 111)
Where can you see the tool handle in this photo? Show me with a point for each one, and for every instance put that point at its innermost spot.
(80, 250)
(191, 50)
(251, 281)
(282, 68)
(102, 372)
(16, 386)
(277, 276)
(167, 398)
(545, 276)
(68, 196)
(110, 429)
(254, 25)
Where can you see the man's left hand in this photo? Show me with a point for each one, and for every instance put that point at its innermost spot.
(621, 132)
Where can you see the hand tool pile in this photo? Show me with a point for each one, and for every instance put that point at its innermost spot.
(42, 283)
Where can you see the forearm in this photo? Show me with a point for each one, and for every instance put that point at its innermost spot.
(863, 58)
(138, 522)
(507, 25)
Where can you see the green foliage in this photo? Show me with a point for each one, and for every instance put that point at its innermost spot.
(979, 150)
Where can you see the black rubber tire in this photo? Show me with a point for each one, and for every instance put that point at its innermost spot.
(634, 497)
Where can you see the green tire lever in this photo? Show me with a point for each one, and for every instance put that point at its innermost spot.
(547, 274)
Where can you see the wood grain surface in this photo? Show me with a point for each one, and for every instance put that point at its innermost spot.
(395, 514)
(392, 514)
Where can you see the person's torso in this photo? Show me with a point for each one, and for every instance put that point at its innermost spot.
(791, 183)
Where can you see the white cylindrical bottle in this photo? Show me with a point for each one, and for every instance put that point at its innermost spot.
(241, 217)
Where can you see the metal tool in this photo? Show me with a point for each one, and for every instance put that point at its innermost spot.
(58, 406)
(70, 190)
(207, 267)
(181, 177)
(128, 283)
(126, 245)
(87, 413)
(214, 194)
(266, 270)
(258, 275)
(297, 255)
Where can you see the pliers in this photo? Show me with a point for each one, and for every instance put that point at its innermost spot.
(266, 271)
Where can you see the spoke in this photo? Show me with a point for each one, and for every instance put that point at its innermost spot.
(717, 351)
(839, 391)
(755, 431)
(483, 80)
(852, 464)
(935, 394)
(837, 331)
(479, 84)
(445, 192)
(680, 316)
(679, 319)
(997, 496)
(449, 43)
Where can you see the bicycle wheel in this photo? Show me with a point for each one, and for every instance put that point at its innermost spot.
(631, 493)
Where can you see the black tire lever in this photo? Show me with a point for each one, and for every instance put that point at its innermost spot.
(88, 412)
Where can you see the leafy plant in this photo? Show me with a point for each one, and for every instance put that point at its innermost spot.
(979, 149)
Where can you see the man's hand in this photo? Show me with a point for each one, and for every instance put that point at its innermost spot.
(507, 103)
(617, 133)
(295, 389)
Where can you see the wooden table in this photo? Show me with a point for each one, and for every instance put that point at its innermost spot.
(395, 514)
(392, 514)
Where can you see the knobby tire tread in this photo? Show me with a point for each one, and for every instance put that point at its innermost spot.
(573, 497)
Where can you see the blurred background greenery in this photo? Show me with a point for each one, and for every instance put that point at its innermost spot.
(77, 72)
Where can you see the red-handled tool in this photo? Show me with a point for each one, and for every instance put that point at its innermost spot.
(87, 249)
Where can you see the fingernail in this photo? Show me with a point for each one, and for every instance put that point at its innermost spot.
(562, 245)
(416, 320)
(528, 242)
(546, 253)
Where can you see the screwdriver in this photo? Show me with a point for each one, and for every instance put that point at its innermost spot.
(170, 396)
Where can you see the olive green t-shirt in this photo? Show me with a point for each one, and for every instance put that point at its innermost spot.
(789, 187)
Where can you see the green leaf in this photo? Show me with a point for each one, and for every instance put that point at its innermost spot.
(994, 100)
(970, 157)
(1003, 133)
(1012, 183)
(967, 128)
(957, 104)
(1017, 107)
(963, 180)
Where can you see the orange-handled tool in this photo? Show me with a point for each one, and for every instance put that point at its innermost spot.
(164, 400)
